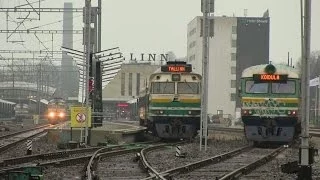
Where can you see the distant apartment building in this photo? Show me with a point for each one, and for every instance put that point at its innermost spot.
(236, 43)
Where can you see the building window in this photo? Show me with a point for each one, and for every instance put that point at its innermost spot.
(233, 96)
(201, 27)
(233, 70)
(130, 84)
(233, 83)
(123, 81)
(192, 44)
(233, 56)
(211, 28)
(234, 29)
(192, 58)
(234, 43)
(192, 32)
(138, 84)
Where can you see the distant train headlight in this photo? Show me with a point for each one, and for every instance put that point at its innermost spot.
(189, 112)
(61, 114)
(51, 114)
(161, 112)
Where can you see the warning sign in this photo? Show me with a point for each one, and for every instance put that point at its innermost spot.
(79, 117)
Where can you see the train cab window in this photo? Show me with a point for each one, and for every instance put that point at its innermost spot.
(163, 88)
(188, 88)
(256, 88)
(284, 88)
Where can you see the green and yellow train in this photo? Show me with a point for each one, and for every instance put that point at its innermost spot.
(270, 103)
(170, 104)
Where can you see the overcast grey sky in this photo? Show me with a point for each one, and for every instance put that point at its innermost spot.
(158, 26)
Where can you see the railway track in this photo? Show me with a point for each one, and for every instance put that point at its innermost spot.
(121, 165)
(65, 158)
(230, 165)
(126, 166)
(10, 140)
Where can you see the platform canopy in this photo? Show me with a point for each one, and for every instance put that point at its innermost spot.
(26, 86)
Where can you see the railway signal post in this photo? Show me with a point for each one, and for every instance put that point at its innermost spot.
(87, 53)
(305, 172)
(207, 7)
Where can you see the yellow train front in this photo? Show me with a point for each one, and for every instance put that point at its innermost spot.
(170, 108)
(57, 111)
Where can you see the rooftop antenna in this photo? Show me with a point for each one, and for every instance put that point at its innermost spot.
(245, 12)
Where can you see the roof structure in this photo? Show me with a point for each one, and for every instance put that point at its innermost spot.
(26, 86)
(6, 102)
(280, 69)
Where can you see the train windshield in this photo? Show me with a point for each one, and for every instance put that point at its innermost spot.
(188, 88)
(256, 88)
(163, 88)
(284, 88)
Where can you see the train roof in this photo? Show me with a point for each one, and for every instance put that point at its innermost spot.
(6, 102)
(279, 69)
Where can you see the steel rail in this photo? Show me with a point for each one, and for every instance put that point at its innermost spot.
(146, 164)
(313, 133)
(46, 156)
(73, 160)
(199, 164)
(252, 166)
(58, 154)
(152, 172)
(92, 164)
(21, 132)
(12, 144)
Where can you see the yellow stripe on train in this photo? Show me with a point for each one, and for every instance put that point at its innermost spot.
(257, 100)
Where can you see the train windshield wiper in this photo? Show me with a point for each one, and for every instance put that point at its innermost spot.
(165, 86)
(192, 90)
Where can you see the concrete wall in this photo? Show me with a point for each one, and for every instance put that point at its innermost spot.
(113, 90)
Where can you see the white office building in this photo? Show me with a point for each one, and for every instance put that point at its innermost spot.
(229, 54)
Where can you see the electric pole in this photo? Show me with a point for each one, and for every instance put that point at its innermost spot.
(305, 167)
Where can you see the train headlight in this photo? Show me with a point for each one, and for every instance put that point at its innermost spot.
(161, 112)
(51, 114)
(61, 114)
(250, 112)
(293, 113)
(189, 112)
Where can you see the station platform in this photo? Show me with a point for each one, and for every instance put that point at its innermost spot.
(109, 133)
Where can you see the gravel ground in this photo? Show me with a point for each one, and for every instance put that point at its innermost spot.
(63, 173)
(272, 170)
(120, 167)
(8, 127)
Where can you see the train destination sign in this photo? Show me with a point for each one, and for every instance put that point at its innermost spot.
(177, 68)
(270, 77)
(170, 68)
